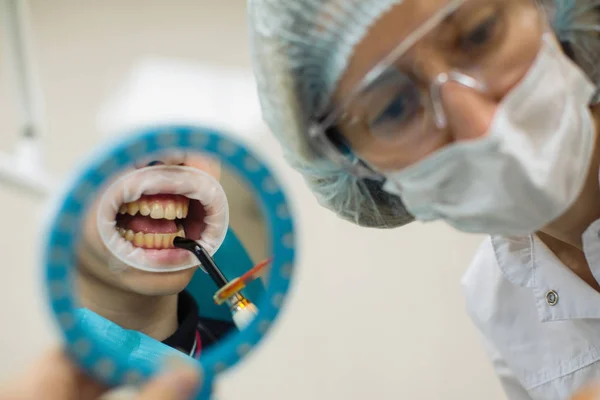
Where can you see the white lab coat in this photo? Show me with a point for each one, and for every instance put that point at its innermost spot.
(540, 322)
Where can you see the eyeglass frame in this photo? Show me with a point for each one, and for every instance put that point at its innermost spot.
(320, 127)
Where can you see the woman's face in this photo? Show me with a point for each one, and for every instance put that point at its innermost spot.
(391, 123)
(148, 230)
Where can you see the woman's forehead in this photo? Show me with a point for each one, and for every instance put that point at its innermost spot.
(387, 33)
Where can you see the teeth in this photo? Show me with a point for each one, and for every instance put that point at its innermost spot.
(170, 211)
(151, 240)
(145, 208)
(166, 241)
(157, 210)
(138, 239)
(132, 208)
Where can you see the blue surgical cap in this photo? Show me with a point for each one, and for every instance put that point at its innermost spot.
(300, 50)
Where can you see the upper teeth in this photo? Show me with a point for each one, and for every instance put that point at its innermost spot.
(157, 209)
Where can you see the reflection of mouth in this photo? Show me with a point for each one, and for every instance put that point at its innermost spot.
(141, 213)
(153, 221)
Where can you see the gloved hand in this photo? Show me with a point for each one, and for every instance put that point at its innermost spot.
(55, 377)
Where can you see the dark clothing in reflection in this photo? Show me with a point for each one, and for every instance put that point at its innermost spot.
(196, 333)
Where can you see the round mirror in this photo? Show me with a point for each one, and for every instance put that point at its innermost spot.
(177, 241)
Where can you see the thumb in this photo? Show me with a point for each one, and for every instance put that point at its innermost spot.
(54, 377)
(180, 384)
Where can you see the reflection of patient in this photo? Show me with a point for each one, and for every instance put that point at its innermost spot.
(155, 304)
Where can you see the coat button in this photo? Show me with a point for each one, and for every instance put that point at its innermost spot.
(551, 298)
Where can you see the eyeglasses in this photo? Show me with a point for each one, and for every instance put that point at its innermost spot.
(486, 46)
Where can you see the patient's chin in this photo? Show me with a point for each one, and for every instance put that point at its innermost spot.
(156, 284)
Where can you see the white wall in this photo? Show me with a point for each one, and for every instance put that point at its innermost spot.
(374, 314)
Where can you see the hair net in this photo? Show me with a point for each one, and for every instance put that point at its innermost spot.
(576, 23)
(300, 50)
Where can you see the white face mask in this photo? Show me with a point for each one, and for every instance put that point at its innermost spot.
(529, 168)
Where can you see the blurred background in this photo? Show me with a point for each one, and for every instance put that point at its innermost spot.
(373, 314)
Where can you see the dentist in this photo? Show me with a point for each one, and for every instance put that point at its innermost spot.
(480, 113)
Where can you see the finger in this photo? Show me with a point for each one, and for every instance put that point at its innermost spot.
(57, 377)
(180, 384)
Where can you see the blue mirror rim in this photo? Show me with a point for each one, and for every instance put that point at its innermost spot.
(63, 235)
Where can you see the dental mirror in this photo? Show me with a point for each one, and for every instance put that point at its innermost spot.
(179, 242)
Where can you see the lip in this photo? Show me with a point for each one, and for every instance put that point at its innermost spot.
(193, 223)
(168, 257)
(176, 180)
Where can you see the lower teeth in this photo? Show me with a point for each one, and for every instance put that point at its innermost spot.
(152, 240)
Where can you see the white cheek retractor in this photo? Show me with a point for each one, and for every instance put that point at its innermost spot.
(165, 180)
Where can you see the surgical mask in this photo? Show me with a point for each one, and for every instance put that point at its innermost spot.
(528, 169)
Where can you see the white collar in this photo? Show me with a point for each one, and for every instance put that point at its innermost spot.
(527, 262)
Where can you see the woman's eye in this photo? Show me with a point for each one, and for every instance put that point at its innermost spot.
(481, 34)
(396, 109)
(401, 108)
